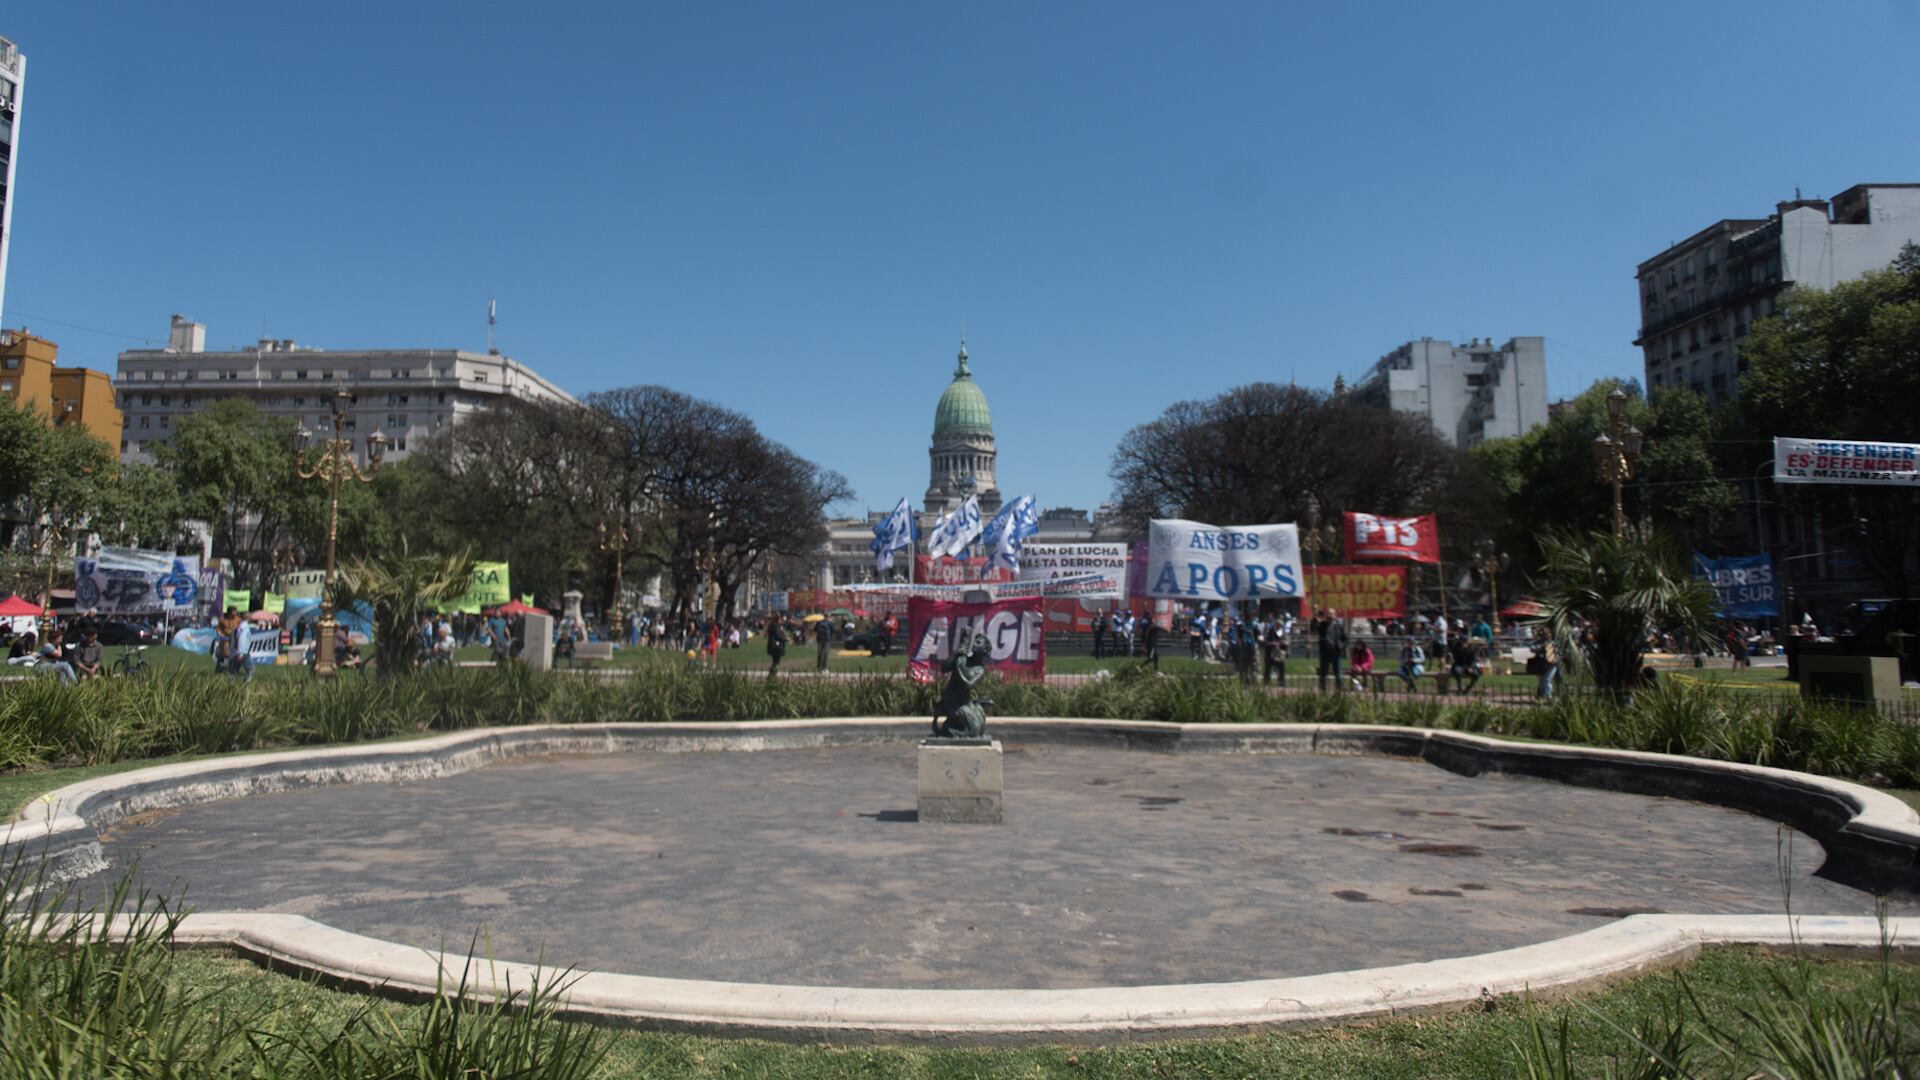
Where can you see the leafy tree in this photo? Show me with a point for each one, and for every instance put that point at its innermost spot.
(1844, 363)
(1622, 590)
(1547, 475)
(141, 507)
(1257, 453)
(234, 469)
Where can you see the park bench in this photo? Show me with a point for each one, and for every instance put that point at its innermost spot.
(592, 652)
(1442, 681)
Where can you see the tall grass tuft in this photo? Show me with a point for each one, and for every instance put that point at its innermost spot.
(88, 994)
(43, 723)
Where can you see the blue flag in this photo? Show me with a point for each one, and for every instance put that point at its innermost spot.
(1009, 531)
(890, 534)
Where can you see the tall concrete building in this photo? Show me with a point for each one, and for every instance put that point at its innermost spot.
(961, 459)
(1469, 393)
(1700, 297)
(405, 394)
(13, 77)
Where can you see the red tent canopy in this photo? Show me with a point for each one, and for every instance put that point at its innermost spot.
(515, 607)
(1523, 608)
(14, 606)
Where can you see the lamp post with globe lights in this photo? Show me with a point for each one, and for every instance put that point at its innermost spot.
(332, 464)
(1615, 451)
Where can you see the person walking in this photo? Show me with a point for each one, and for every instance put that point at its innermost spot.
(1273, 653)
(1548, 651)
(1152, 637)
(822, 636)
(776, 644)
(1332, 635)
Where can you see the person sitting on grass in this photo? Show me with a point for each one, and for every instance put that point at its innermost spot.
(1360, 664)
(49, 657)
(89, 660)
(1466, 664)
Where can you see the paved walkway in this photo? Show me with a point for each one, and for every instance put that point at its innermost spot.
(1113, 867)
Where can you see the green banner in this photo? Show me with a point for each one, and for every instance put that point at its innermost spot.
(274, 601)
(489, 588)
(240, 600)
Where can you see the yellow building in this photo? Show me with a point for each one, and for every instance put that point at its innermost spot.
(31, 376)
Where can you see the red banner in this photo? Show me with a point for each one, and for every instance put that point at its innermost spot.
(1015, 630)
(1416, 539)
(929, 570)
(1359, 592)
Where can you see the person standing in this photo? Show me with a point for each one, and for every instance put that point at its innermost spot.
(1242, 645)
(1100, 635)
(1152, 637)
(1332, 635)
(822, 636)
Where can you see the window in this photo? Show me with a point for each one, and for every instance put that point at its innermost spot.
(396, 420)
(479, 376)
(273, 399)
(163, 421)
(443, 397)
(7, 386)
(300, 374)
(299, 403)
(166, 401)
(146, 399)
(13, 362)
(399, 373)
(143, 423)
(400, 443)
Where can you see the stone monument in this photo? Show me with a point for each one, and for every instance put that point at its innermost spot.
(960, 777)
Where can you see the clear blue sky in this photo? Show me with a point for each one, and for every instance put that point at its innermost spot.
(791, 208)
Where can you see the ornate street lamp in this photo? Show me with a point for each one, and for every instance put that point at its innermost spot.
(1491, 562)
(333, 464)
(1614, 453)
(1317, 538)
(614, 541)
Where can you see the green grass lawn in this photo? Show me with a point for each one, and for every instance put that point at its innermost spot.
(1468, 1043)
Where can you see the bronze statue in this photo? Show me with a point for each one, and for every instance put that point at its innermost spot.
(962, 717)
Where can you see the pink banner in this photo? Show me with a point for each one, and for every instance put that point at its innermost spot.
(1015, 630)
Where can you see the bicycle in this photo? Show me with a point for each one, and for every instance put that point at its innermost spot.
(132, 661)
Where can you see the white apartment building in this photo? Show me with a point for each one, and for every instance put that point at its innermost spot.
(1469, 393)
(404, 394)
(1699, 297)
(13, 77)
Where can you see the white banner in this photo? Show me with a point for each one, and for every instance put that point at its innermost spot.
(1188, 560)
(1050, 562)
(137, 560)
(1821, 461)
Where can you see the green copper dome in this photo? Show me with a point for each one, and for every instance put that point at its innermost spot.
(963, 408)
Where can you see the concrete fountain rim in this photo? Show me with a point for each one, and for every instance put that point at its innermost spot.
(1871, 839)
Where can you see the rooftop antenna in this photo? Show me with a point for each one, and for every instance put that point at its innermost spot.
(491, 351)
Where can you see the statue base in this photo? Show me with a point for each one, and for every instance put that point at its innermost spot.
(960, 781)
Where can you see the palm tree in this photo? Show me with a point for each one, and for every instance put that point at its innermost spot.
(402, 589)
(1622, 589)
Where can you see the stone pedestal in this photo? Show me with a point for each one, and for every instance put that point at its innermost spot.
(960, 781)
(537, 649)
